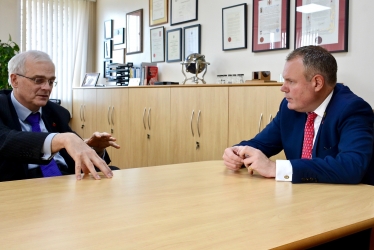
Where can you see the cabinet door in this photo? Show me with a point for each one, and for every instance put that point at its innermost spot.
(212, 123)
(89, 112)
(183, 124)
(247, 107)
(158, 126)
(77, 124)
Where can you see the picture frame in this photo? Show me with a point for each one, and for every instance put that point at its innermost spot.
(90, 79)
(270, 25)
(108, 47)
(234, 27)
(106, 72)
(119, 36)
(134, 32)
(332, 25)
(174, 45)
(108, 29)
(158, 12)
(192, 39)
(183, 11)
(119, 55)
(157, 36)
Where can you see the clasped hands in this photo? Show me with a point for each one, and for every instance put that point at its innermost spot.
(252, 158)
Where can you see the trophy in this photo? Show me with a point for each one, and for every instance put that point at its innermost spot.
(195, 64)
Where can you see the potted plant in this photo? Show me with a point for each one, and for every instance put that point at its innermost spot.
(7, 51)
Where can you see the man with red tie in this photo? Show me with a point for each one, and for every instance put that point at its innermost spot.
(325, 130)
(35, 137)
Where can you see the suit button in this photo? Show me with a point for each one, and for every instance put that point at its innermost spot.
(286, 177)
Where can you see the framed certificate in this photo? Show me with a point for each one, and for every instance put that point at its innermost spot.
(183, 11)
(158, 12)
(134, 32)
(108, 29)
(271, 25)
(108, 44)
(174, 45)
(234, 27)
(192, 39)
(322, 23)
(157, 44)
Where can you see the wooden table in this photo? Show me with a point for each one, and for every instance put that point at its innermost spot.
(185, 206)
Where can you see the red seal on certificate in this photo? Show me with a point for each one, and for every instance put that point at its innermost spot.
(318, 40)
(229, 39)
(262, 39)
(154, 55)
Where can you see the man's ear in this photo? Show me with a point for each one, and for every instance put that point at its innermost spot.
(319, 82)
(14, 80)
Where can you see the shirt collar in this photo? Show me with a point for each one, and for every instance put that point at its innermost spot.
(22, 111)
(320, 111)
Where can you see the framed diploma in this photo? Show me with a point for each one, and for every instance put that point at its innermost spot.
(234, 27)
(108, 49)
(271, 25)
(192, 39)
(157, 44)
(323, 23)
(108, 29)
(174, 45)
(183, 11)
(134, 32)
(158, 12)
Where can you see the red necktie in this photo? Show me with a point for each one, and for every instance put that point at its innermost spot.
(308, 136)
(51, 169)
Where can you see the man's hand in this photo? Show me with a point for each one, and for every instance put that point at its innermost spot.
(231, 159)
(100, 141)
(254, 159)
(85, 157)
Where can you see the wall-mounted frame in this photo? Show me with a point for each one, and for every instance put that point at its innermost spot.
(119, 36)
(192, 39)
(108, 45)
(157, 36)
(134, 32)
(90, 79)
(106, 68)
(234, 27)
(108, 29)
(324, 23)
(174, 45)
(119, 55)
(183, 11)
(271, 25)
(158, 12)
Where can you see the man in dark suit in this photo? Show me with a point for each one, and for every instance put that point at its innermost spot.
(341, 136)
(343, 127)
(22, 151)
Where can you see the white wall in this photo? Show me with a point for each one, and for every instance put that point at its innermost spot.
(10, 20)
(355, 66)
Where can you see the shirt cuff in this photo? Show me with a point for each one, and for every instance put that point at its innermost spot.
(47, 147)
(283, 170)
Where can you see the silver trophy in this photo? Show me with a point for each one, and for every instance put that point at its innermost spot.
(195, 64)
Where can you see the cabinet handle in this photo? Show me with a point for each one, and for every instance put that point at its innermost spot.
(111, 116)
(192, 114)
(198, 123)
(270, 118)
(145, 109)
(108, 115)
(84, 111)
(80, 113)
(259, 123)
(149, 118)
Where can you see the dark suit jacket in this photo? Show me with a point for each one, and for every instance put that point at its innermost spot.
(17, 148)
(343, 148)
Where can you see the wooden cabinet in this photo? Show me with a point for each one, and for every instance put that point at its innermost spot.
(199, 123)
(251, 108)
(113, 112)
(84, 112)
(149, 115)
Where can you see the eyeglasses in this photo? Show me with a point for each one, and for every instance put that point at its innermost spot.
(41, 81)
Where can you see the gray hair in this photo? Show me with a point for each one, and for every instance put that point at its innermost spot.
(16, 65)
(316, 60)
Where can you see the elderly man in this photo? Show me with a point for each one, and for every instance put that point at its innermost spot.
(36, 140)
